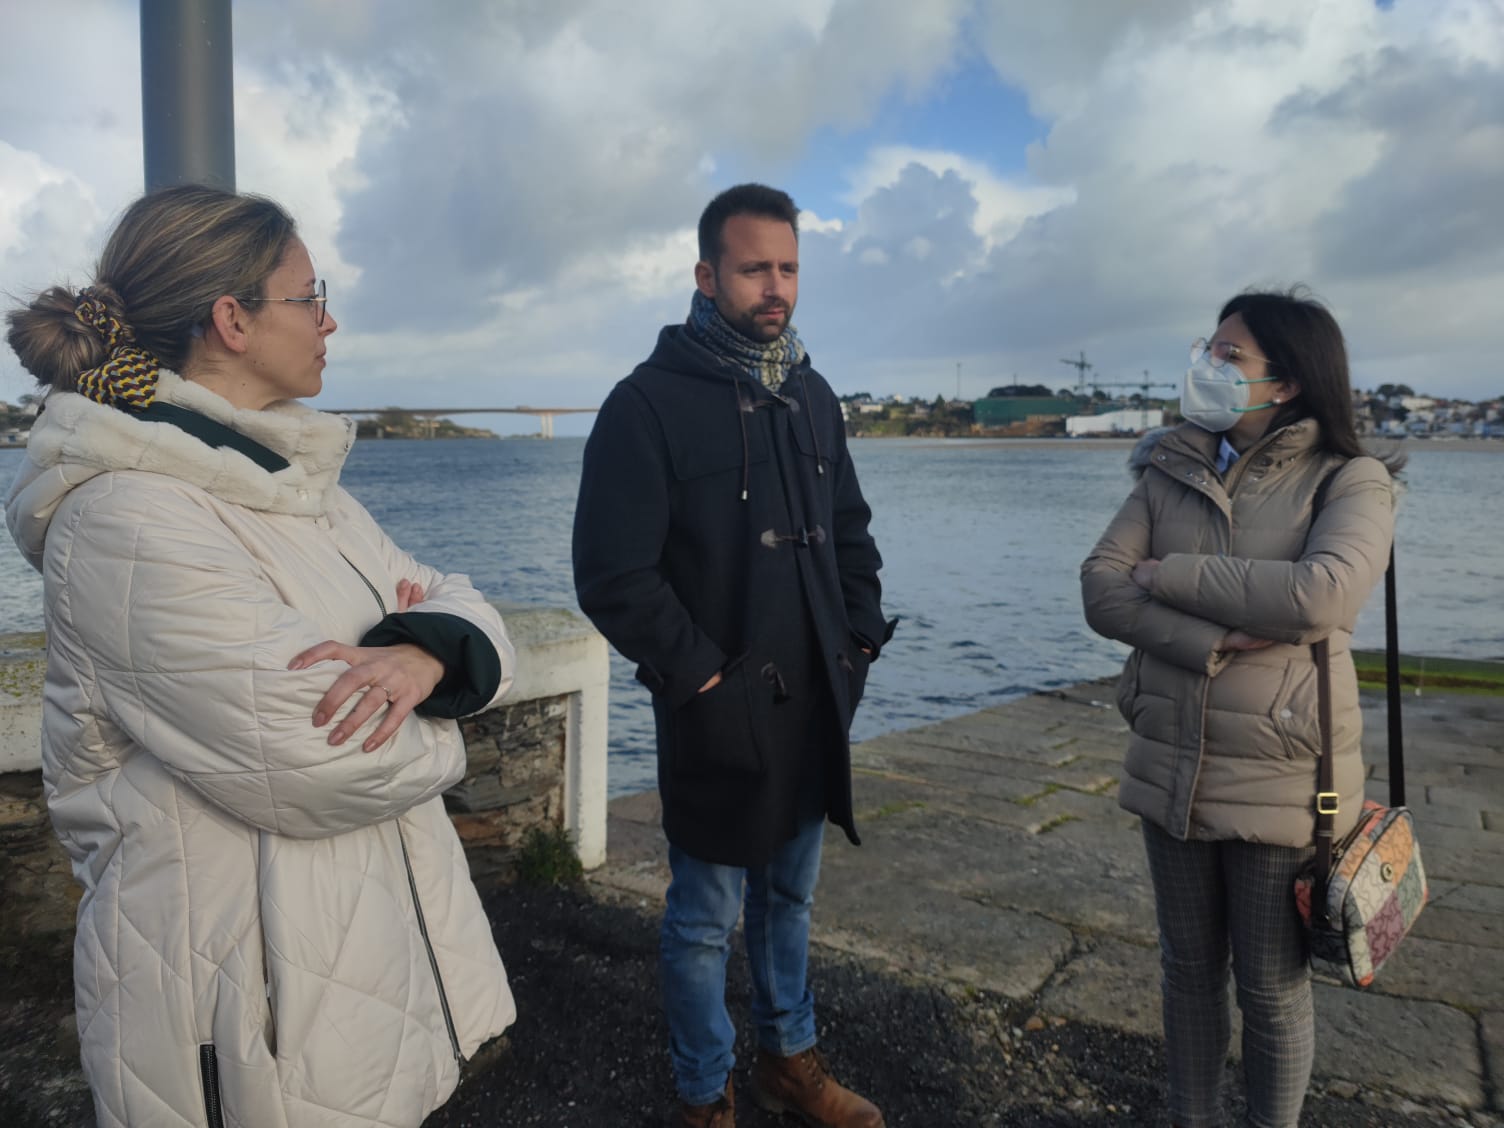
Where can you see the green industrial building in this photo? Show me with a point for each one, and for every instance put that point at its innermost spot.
(1005, 411)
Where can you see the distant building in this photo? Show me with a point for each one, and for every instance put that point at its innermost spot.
(1007, 411)
(1127, 421)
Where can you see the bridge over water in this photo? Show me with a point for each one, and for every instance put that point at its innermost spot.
(545, 414)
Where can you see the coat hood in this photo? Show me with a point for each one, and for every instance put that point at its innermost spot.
(678, 354)
(76, 439)
(1138, 457)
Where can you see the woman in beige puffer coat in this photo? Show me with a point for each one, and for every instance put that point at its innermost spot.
(1219, 571)
(248, 717)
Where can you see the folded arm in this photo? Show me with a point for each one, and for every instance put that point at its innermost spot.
(1118, 608)
(453, 622)
(186, 644)
(1303, 600)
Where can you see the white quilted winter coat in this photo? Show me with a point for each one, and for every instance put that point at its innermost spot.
(273, 932)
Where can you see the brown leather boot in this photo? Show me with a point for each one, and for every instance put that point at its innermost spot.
(720, 1113)
(802, 1085)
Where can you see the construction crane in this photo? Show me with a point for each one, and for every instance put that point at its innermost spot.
(1142, 385)
(1082, 367)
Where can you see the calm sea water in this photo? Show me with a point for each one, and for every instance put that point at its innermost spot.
(981, 544)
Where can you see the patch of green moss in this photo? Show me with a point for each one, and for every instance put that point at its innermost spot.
(1441, 675)
(548, 856)
(897, 807)
(1030, 800)
(1057, 821)
(23, 678)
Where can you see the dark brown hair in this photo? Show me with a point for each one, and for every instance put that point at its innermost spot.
(744, 199)
(1301, 340)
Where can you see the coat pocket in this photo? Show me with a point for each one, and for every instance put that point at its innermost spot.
(1294, 712)
(818, 448)
(723, 730)
(857, 665)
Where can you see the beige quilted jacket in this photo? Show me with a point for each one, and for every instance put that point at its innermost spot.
(1224, 744)
(273, 933)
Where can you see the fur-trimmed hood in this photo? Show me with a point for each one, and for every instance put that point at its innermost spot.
(75, 439)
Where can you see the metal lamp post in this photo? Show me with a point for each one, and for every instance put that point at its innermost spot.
(187, 93)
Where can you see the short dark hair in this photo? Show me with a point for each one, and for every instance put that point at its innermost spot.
(1300, 338)
(744, 199)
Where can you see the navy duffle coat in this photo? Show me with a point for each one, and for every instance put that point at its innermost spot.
(720, 528)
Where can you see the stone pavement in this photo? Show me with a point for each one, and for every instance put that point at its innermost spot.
(995, 856)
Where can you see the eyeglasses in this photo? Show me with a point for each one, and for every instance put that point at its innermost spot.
(318, 301)
(1222, 352)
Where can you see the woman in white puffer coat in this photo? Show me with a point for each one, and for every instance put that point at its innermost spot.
(249, 704)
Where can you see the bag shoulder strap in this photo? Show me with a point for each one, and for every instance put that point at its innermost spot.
(1326, 786)
(1326, 795)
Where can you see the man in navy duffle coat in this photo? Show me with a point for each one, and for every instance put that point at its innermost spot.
(721, 543)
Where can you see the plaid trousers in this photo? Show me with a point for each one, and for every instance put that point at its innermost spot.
(1221, 902)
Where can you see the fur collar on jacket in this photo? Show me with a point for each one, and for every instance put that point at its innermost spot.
(1200, 446)
(75, 439)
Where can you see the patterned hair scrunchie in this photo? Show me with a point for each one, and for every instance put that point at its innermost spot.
(129, 378)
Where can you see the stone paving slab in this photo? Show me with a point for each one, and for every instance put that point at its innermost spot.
(1425, 1050)
(1465, 975)
(1459, 925)
(962, 764)
(1432, 813)
(1448, 798)
(994, 855)
(982, 780)
(1470, 897)
(1033, 809)
(1108, 986)
(937, 935)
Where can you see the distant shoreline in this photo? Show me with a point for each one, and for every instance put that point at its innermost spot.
(1102, 442)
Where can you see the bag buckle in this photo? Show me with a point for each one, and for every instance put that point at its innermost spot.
(1326, 802)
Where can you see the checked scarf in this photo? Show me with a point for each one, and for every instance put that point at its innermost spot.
(769, 363)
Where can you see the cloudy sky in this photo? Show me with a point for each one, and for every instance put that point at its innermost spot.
(503, 195)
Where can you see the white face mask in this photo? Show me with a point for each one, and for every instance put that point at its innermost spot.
(1216, 398)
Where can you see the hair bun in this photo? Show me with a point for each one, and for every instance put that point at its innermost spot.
(50, 340)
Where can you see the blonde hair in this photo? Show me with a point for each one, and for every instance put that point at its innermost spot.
(171, 256)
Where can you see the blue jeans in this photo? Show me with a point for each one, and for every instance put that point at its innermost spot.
(704, 900)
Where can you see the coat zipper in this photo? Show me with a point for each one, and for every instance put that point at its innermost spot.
(433, 963)
(208, 1071)
(412, 883)
(376, 595)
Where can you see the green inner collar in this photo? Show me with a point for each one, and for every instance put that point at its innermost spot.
(212, 433)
